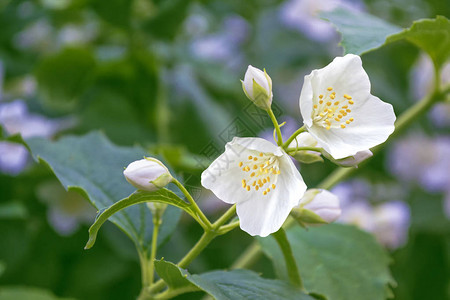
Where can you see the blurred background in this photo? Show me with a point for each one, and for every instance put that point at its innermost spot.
(165, 74)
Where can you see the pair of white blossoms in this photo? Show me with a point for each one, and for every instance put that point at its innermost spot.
(341, 117)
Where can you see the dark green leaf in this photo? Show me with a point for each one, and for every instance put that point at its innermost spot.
(62, 77)
(93, 166)
(244, 284)
(171, 274)
(161, 196)
(332, 259)
(13, 210)
(361, 32)
(26, 293)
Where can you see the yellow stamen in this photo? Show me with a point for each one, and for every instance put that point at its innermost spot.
(240, 164)
(329, 103)
(253, 174)
(320, 96)
(330, 88)
(351, 102)
(328, 127)
(250, 157)
(342, 126)
(273, 186)
(261, 154)
(255, 158)
(248, 188)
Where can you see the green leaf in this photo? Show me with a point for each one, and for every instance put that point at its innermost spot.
(244, 284)
(228, 285)
(13, 210)
(138, 197)
(2, 268)
(93, 166)
(361, 32)
(431, 35)
(62, 77)
(171, 274)
(339, 262)
(26, 293)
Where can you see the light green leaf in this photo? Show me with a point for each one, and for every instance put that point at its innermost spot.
(361, 32)
(244, 284)
(93, 166)
(339, 262)
(431, 35)
(26, 293)
(138, 197)
(171, 274)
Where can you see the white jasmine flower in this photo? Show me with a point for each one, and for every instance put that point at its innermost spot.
(148, 174)
(260, 178)
(317, 207)
(257, 86)
(339, 111)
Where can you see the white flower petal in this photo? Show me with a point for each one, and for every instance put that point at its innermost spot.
(374, 122)
(265, 214)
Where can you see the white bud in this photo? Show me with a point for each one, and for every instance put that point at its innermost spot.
(351, 161)
(317, 207)
(305, 139)
(257, 86)
(147, 174)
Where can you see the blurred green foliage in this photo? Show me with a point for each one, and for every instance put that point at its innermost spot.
(134, 70)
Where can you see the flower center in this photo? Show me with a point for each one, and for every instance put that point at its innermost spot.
(260, 172)
(331, 112)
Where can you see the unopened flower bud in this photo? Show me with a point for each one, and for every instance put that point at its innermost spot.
(148, 174)
(317, 207)
(305, 139)
(257, 86)
(351, 161)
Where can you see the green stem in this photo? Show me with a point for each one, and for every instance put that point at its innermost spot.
(206, 223)
(209, 234)
(225, 217)
(291, 264)
(247, 258)
(151, 264)
(293, 136)
(276, 125)
(226, 228)
(170, 293)
(205, 239)
(303, 149)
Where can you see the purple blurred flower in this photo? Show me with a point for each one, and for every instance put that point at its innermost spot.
(303, 15)
(422, 159)
(15, 118)
(389, 221)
